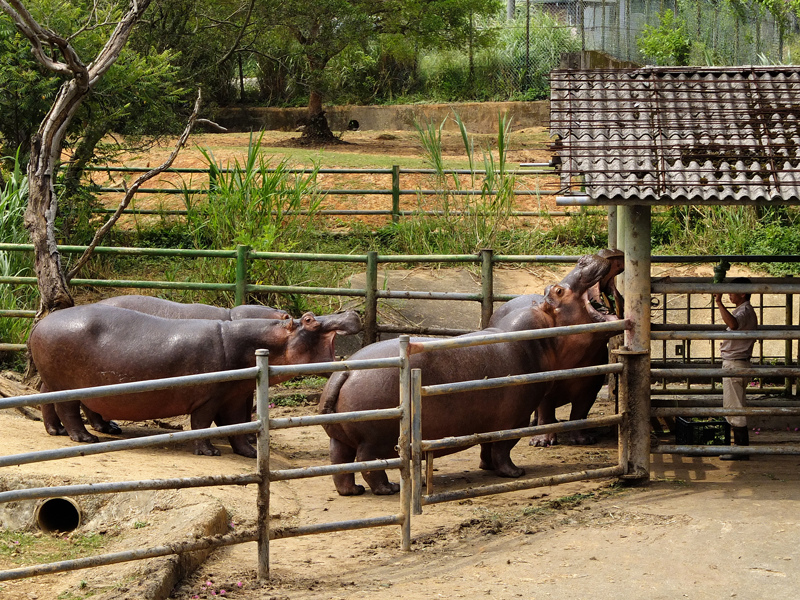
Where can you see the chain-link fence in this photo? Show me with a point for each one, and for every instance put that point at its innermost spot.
(720, 32)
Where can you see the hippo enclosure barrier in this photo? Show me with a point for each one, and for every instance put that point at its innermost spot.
(411, 446)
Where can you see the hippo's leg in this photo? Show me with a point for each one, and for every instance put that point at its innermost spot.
(70, 415)
(98, 423)
(544, 415)
(486, 457)
(377, 480)
(582, 403)
(345, 482)
(200, 419)
(233, 413)
(52, 424)
(501, 459)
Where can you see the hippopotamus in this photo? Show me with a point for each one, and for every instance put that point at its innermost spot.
(167, 309)
(159, 307)
(463, 413)
(95, 344)
(580, 391)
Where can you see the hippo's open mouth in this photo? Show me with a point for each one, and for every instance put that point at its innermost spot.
(603, 300)
(605, 303)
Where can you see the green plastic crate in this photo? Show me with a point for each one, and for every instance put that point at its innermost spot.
(716, 432)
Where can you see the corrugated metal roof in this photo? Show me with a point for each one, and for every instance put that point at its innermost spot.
(667, 135)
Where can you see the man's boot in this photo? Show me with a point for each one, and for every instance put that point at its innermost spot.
(740, 438)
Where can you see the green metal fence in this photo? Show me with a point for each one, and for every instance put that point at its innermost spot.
(394, 190)
(673, 308)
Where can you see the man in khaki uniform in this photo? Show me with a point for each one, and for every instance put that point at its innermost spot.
(736, 354)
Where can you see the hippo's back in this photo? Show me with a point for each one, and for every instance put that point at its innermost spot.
(158, 307)
(97, 344)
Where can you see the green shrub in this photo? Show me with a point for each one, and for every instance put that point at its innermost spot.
(667, 44)
(269, 208)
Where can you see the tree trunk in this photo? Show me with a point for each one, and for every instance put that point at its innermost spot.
(316, 129)
(40, 223)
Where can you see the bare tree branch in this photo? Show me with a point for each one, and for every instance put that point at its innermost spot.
(38, 35)
(212, 125)
(129, 194)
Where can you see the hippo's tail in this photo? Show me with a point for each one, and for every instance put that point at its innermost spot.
(330, 393)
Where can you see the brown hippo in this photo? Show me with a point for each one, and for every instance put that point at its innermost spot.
(580, 391)
(467, 412)
(93, 345)
(158, 307)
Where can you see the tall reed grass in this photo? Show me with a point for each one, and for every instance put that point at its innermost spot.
(463, 223)
(13, 200)
(267, 207)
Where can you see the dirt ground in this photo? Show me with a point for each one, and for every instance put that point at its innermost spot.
(524, 146)
(702, 528)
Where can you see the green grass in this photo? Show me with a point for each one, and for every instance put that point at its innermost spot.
(23, 548)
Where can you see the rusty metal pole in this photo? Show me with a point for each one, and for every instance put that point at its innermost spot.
(487, 286)
(789, 343)
(262, 458)
(637, 340)
(404, 443)
(612, 228)
(371, 300)
(416, 438)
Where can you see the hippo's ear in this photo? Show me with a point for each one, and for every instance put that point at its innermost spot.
(291, 324)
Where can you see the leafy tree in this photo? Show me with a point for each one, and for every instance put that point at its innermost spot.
(138, 95)
(323, 29)
(207, 37)
(26, 90)
(62, 56)
(667, 44)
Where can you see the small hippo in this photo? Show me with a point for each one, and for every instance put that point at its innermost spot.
(95, 344)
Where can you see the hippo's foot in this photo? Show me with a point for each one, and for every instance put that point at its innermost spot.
(52, 424)
(204, 448)
(346, 485)
(243, 448)
(386, 490)
(380, 484)
(354, 490)
(543, 441)
(109, 427)
(580, 438)
(84, 436)
(510, 470)
(55, 429)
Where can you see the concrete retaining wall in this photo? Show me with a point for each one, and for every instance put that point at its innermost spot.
(479, 117)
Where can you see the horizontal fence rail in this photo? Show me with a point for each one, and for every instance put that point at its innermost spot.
(261, 477)
(264, 475)
(395, 191)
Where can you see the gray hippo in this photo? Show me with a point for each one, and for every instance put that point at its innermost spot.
(463, 413)
(581, 392)
(158, 307)
(93, 345)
